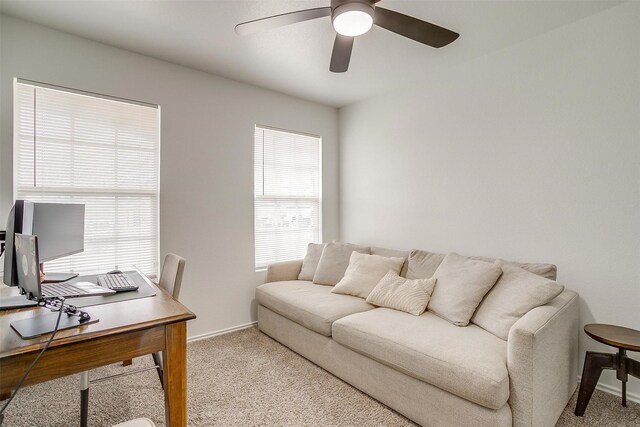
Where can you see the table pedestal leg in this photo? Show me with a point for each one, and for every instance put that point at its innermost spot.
(633, 367)
(621, 373)
(594, 363)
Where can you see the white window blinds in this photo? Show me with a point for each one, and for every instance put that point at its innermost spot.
(288, 194)
(76, 148)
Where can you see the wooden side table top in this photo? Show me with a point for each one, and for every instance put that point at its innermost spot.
(615, 336)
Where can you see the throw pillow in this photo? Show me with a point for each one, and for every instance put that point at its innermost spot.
(516, 293)
(462, 282)
(423, 264)
(398, 293)
(364, 272)
(334, 262)
(310, 261)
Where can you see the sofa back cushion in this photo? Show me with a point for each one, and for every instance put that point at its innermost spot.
(334, 262)
(461, 284)
(548, 271)
(395, 254)
(514, 295)
(364, 272)
(422, 264)
(310, 261)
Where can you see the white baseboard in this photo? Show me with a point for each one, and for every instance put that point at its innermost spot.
(615, 391)
(221, 332)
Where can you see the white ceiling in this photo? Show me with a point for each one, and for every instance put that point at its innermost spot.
(295, 59)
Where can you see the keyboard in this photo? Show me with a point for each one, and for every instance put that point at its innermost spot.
(73, 290)
(61, 290)
(118, 282)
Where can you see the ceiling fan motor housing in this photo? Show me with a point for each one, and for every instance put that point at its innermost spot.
(352, 17)
(336, 3)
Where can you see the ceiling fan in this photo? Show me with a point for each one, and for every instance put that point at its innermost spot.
(352, 18)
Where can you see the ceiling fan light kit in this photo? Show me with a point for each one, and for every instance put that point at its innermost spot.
(352, 18)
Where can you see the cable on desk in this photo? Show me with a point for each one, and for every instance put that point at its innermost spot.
(24, 376)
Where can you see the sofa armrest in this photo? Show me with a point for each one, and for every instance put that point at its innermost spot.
(285, 270)
(542, 360)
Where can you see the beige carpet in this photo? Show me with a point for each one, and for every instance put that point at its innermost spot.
(241, 379)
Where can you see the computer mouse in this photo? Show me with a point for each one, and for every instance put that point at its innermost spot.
(115, 272)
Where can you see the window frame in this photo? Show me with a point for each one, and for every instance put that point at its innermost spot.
(64, 89)
(320, 189)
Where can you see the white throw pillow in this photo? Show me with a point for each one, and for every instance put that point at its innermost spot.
(462, 283)
(364, 272)
(310, 261)
(398, 293)
(334, 261)
(516, 293)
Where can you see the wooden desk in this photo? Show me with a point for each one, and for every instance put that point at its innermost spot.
(126, 329)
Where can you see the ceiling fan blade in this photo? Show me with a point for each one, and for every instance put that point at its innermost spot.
(341, 54)
(276, 21)
(414, 28)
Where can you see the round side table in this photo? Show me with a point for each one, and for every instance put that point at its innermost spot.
(624, 339)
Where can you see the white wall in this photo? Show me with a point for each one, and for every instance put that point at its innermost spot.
(206, 203)
(531, 153)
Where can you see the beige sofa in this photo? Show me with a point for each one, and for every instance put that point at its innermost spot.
(431, 371)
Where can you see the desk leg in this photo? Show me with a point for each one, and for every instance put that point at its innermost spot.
(175, 374)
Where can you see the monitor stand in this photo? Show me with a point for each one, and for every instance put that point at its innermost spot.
(44, 324)
(58, 277)
(15, 301)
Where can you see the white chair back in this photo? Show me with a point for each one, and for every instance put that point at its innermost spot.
(171, 276)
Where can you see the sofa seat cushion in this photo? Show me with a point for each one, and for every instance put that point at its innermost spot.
(466, 361)
(310, 305)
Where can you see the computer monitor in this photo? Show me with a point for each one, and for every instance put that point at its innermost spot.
(60, 231)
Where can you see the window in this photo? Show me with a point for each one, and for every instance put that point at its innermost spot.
(73, 147)
(288, 194)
